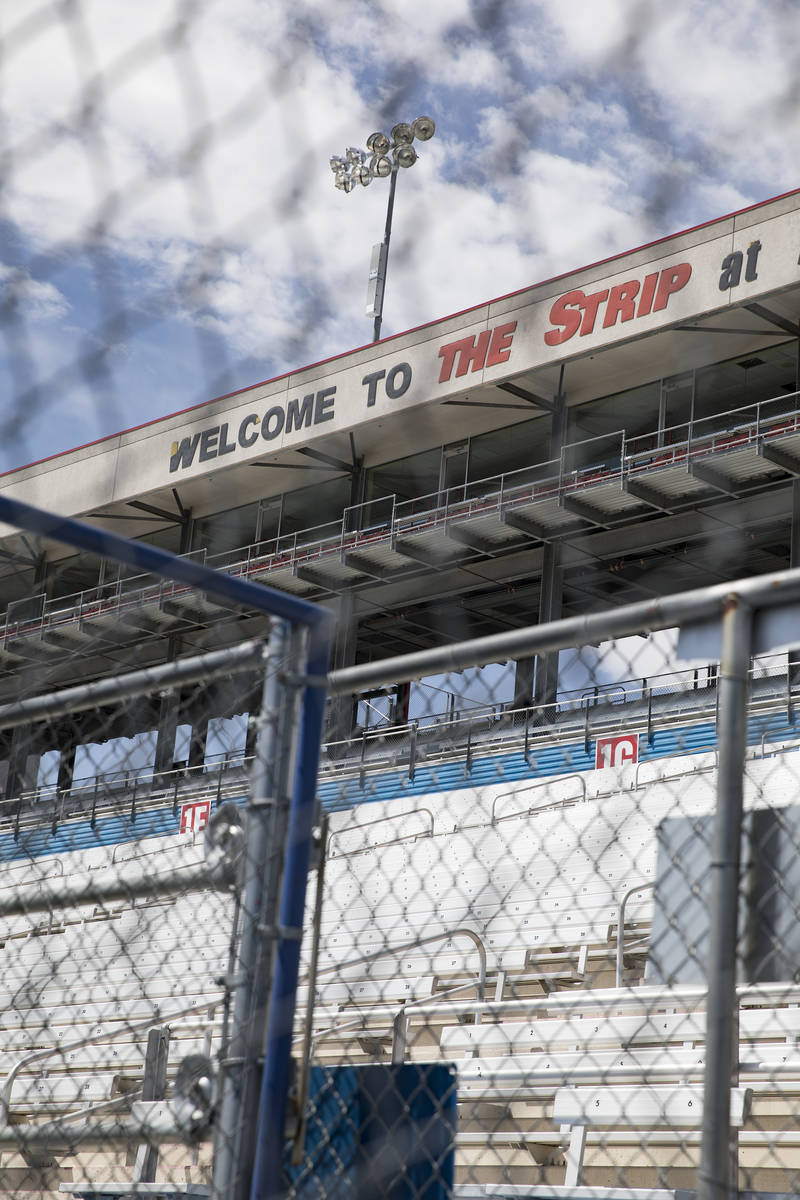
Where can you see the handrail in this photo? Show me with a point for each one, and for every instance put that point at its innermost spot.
(545, 783)
(242, 562)
(678, 774)
(199, 781)
(386, 1010)
(91, 1039)
(444, 936)
(641, 887)
(380, 821)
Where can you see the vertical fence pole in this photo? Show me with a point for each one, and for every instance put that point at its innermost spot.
(266, 1180)
(716, 1178)
(234, 1140)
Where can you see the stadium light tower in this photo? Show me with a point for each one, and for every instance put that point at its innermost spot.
(384, 154)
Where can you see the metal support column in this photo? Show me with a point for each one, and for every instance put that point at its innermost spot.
(66, 767)
(342, 712)
(717, 1173)
(16, 777)
(197, 740)
(537, 679)
(545, 685)
(165, 737)
(793, 660)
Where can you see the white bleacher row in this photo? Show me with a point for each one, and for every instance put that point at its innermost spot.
(537, 888)
(107, 973)
(527, 885)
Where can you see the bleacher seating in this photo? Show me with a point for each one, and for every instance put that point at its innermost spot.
(79, 992)
(536, 879)
(541, 887)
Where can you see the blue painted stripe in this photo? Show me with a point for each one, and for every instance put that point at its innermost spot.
(337, 795)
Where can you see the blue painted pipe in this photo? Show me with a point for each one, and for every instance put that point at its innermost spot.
(270, 1139)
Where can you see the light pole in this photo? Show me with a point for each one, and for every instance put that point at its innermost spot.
(384, 154)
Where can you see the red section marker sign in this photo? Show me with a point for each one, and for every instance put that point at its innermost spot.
(616, 751)
(194, 817)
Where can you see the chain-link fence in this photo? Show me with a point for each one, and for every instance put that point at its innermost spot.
(545, 910)
(150, 821)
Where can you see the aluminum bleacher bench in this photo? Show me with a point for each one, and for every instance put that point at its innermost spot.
(641, 1107)
(153, 1191)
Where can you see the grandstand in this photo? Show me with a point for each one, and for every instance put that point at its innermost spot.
(497, 847)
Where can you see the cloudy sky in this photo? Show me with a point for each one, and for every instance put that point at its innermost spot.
(169, 229)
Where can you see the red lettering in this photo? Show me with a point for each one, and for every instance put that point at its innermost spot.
(473, 351)
(576, 311)
(500, 345)
(566, 312)
(591, 306)
(620, 303)
(672, 280)
(448, 357)
(648, 291)
(489, 348)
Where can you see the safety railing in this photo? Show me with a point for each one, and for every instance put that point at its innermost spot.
(445, 737)
(748, 425)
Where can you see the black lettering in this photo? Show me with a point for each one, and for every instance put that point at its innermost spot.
(298, 414)
(208, 444)
(324, 402)
(268, 431)
(752, 258)
(225, 447)
(394, 389)
(731, 270)
(371, 383)
(248, 439)
(182, 454)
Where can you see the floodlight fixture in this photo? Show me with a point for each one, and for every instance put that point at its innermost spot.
(424, 128)
(380, 166)
(402, 134)
(386, 154)
(378, 143)
(405, 156)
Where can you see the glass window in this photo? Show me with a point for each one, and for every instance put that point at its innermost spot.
(226, 531)
(416, 475)
(743, 381)
(594, 428)
(320, 504)
(510, 449)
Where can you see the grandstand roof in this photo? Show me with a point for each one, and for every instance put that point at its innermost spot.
(661, 307)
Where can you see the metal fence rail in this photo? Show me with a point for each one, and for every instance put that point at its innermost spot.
(138, 1009)
(631, 1021)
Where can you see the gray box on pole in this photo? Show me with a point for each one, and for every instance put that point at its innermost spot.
(377, 279)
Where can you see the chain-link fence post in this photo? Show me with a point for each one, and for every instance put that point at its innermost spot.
(267, 816)
(718, 1169)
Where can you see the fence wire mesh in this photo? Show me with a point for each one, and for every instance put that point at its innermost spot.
(517, 888)
(524, 897)
(142, 837)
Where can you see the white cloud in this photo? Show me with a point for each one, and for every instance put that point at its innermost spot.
(565, 133)
(30, 298)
